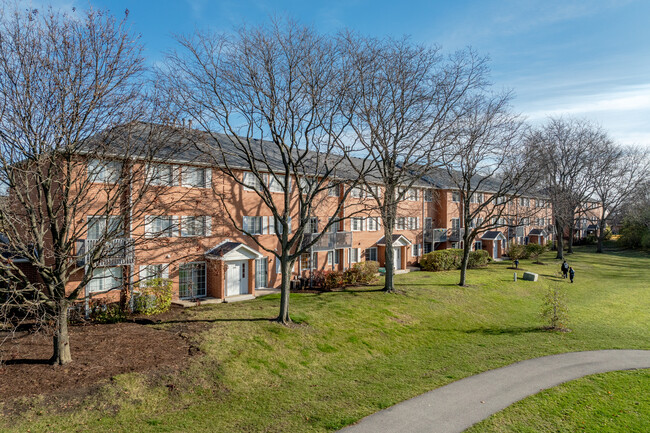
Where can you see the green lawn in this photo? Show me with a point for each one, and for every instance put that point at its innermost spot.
(611, 402)
(361, 350)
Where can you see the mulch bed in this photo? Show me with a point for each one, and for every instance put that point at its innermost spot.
(98, 352)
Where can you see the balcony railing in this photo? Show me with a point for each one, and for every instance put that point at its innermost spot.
(455, 234)
(116, 252)
(517, 232)
(329, 241)
(435, 235)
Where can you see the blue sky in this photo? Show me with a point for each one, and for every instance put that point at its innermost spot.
(589, 59)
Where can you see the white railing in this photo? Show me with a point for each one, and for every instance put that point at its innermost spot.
(115, 252)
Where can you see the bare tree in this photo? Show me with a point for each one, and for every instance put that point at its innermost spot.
(70, 101)
(562, 150)
(407, 99)
(619, 172)
(270, 98)
(486, 164)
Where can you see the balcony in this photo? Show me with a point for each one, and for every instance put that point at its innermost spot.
(455, 234)
(116, 252)
(516, 232)
(329, 241)
(435, 235)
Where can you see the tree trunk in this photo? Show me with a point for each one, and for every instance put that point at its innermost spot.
(389, 257)
(559, 235)
(571, 232)
(601, 238)
(61, 339)
(285, 287)
(463, 263)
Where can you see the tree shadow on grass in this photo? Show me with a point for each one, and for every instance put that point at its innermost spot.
(234, 319)
(512, 330)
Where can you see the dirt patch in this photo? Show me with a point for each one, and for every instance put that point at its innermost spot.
(99, 352)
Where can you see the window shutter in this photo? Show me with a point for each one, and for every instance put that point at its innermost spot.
(245, 224)
(183, 227)
(175, 225)
(265, 225)
(417, 223)
(208, 178)
(271, 225)
(147, 226)
(208, 226)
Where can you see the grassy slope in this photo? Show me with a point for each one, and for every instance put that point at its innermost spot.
(611, 402)
(356, 352)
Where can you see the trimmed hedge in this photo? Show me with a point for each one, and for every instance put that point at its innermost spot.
(446, 260)
(478, 259)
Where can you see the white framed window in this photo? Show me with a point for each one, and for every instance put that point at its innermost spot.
(251, 182)
(254, 225)
(333, 190)
(455, 196)
(413, 194)
(427, 247)
(161, 226)
(312, 225)
(105, 279)
(524, 202)
(330, 258)
(371, 254)
(277, 185)
(356, 224)
(428, 195)
(416, 250)
(274, 225)
(196, 177)
(161, 174)
(357, 192)
(478, 245)
(154, 271)
(306, 262)
(455, 223)
(104, 171)
(477, 197)
(372, 224)
(413, 223)
(109, 226)
(196, 226)
(353, 253)
(261, 272)
(428, 223)
(307, 185)
(400, 223)
(524, 221)
(373, 189)
(192, 280)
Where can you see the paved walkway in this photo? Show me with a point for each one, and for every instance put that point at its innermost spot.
(459, 405)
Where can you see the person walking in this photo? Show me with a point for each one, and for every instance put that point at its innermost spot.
(571, 273)
(565, 269)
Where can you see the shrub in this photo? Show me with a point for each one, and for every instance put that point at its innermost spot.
(102, 311)
(517, 251)
(554, 308)
(332, 280)
(352, 276)
(477, 258)
(534, 250)
(441, 260)
(367, 271)
(154, 296)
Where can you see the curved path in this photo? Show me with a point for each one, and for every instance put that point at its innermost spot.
(459, 405)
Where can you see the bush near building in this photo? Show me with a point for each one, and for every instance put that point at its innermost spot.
(450, 259)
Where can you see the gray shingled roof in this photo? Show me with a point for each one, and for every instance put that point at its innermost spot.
(223, 249)
(538, 232)
(491, 235)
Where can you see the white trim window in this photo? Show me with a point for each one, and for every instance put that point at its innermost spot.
(100, 226)
(371, 254)
(307, 185)
(413, 194)
(276, 183)
(161, 174)
(154, 271)
(428, 195)
(251, 182)
(261, 272)
(372, 224)
(357, 192)
(192, 280)
(254, 225)
(455, 196)
(312, 225)
(356, 224)
(413, 223)
(427, 247)
(373, 189)
(428, 223)
(196, 226)
(104, 171)
(524, 202)
(354, 254)
(333, 190)
(196, 177)
(105, 279)
(417, 250)
(478, 245)
(161, 226)
(477, 197)
(400, 223)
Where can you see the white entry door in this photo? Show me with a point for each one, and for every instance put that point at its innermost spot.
(397, 257)
(495, 249)
(237, 278)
